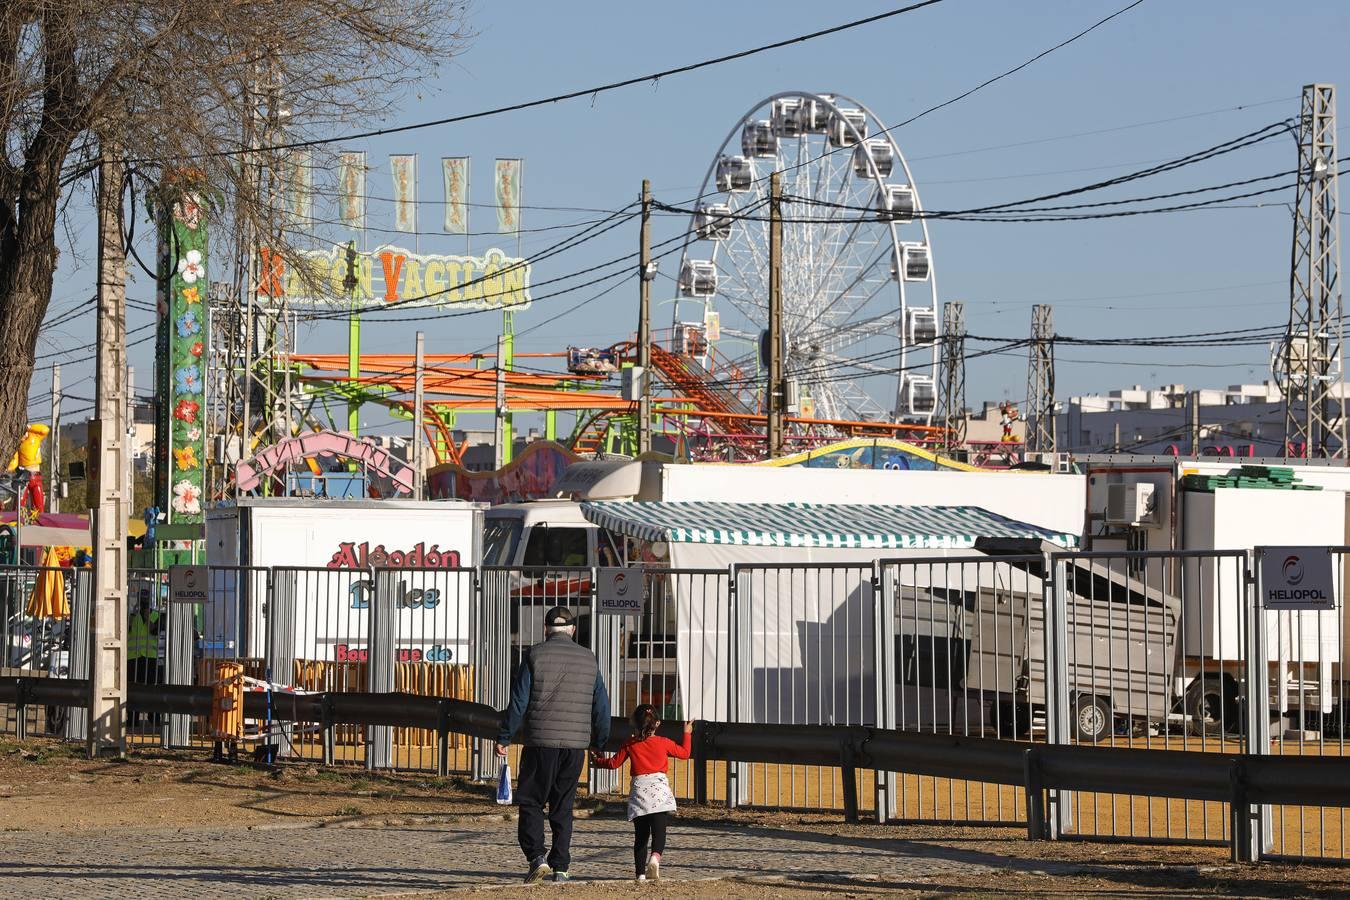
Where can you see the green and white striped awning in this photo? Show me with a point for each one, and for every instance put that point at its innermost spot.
(838, 525)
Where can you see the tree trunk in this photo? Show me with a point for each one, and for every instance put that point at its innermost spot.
(28, 221)
(28, 263)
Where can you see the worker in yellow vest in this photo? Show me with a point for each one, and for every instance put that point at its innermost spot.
(143, 646)
(143, 642)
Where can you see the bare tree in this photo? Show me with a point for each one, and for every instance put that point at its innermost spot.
(193, 93)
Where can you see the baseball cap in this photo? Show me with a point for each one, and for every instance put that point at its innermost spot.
(559, 616)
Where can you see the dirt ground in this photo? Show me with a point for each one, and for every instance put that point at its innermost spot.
(49, 786)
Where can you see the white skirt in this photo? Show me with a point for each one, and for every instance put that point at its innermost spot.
(650, 794)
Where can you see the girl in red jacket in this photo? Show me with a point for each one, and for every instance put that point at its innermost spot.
(651, 801)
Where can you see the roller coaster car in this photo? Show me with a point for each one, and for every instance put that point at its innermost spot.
(590, 361)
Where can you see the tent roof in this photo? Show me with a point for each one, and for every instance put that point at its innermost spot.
(813, 524)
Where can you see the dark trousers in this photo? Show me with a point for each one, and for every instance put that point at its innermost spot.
(548, 776)
(144, 670)
(649, 828)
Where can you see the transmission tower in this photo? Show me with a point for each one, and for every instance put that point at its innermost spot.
(1314, 409)
(250, 392)
(1040, 417)
(952, 402)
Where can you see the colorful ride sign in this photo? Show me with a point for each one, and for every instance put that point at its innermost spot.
(391, 276)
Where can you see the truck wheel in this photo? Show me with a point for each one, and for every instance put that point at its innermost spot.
(1212, 706)
(1092, 719)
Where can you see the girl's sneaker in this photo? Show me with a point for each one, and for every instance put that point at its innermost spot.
(641, 879)
(654, 869)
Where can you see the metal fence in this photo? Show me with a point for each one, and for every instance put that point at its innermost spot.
(1156, 650)
(36, 643)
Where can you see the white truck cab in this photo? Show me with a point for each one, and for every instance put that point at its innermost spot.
(540, 534)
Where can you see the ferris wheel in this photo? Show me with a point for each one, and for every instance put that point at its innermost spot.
(858, 287)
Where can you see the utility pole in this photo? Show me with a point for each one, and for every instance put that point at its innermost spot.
(501, 431)
(1116, 446)
(107, 682)
(419, 397)
(952, 403)
(54, 483)
(1314, 409)
(130, 422)
(646, 272)
(776, 393)
(1041, 382)
(1196, 433)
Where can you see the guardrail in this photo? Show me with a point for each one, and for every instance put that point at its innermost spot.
(1046, 771)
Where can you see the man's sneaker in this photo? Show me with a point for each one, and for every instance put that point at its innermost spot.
(654, 870)
(538, 872)
(641, 879)
(561, 875)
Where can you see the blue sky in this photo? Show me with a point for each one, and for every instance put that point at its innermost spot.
(1192, 63)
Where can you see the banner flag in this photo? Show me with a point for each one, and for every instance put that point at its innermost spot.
(455, 170)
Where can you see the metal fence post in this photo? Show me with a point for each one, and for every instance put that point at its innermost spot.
(279, 661)
(1057, 701)
(493, 672)
(81, 650)
(175, 727)
(733, 785)
(1035, 799)
(1259, 833)
(883, 625)
(605, 632)
(382, 660)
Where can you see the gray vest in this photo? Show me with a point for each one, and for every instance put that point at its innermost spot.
(562, 691)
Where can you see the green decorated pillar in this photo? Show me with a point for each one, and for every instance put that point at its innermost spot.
(180, 360)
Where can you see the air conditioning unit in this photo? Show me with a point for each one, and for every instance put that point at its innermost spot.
(631, 382)
(1131, 504)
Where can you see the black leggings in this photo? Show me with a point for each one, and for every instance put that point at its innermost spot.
(651, 827)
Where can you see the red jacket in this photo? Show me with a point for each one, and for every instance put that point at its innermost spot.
(649, 755)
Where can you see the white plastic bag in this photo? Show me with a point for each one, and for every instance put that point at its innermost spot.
(504, 785)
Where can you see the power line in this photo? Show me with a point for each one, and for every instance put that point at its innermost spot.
(984, 84)
(653, 77)
(1078, 134)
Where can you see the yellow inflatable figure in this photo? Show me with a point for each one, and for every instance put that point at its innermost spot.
(29, 458)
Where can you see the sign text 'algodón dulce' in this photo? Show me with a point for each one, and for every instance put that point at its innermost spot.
(351, 555)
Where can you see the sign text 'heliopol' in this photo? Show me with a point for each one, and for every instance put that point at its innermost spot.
(1298, 578)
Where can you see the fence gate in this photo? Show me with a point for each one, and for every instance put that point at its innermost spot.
(1152, 650)
(804, 652)
(675, 655)
(1298, 673)
(963, 641)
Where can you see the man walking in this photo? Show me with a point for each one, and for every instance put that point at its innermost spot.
(560, 699)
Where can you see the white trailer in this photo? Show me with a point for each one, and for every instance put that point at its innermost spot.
(1143, 503)
(322, 556)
